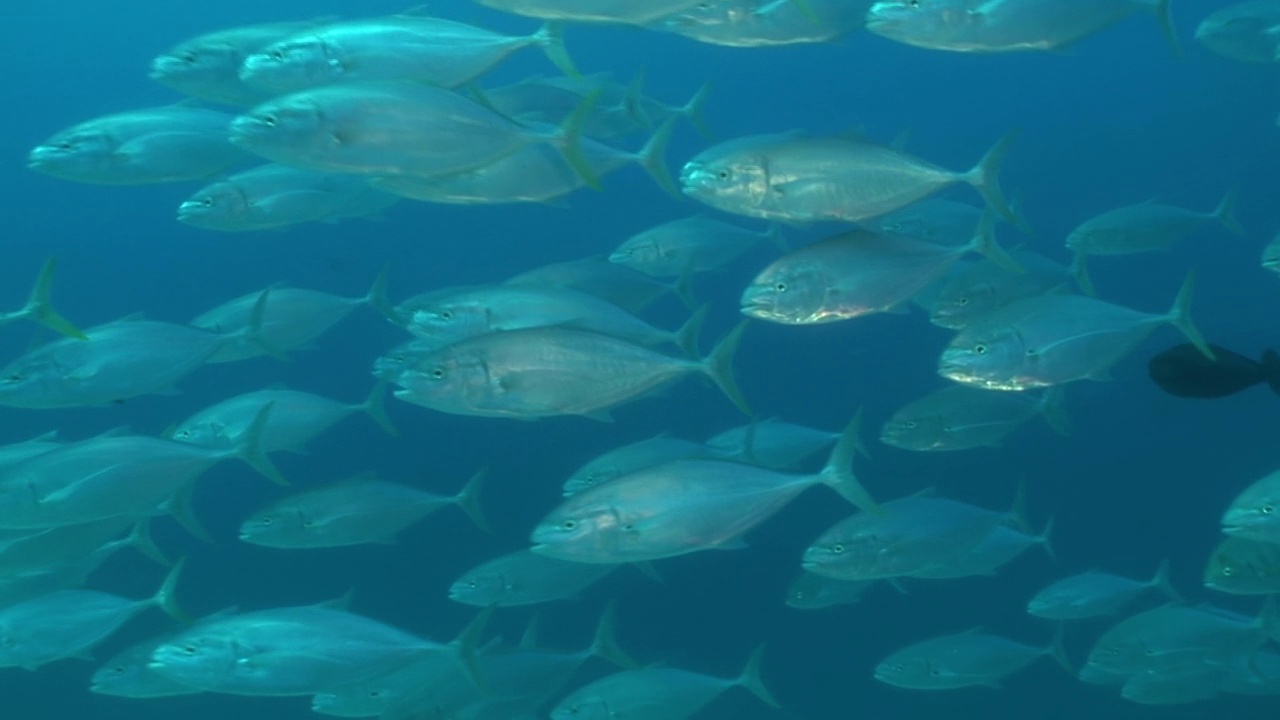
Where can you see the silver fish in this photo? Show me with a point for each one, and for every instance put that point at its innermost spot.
(766, 23)
(525, 578)
(1096, 593)
(634, 457)
(981, 26)
(545, 372)
(1240, 566)
(695, 244)
(1054, 339)
(800, 179)
(968, 659)
(962, 417)
(1244, 31)
(274, 196)
(966, 295)
(165, 144)
(1255, 513)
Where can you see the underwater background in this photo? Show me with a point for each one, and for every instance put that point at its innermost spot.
(1115, 119)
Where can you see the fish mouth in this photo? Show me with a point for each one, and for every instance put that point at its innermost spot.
(190, 208)
(165, 66)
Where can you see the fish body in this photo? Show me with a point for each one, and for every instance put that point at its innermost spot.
(631, 458)
(1244, 31)
(525, 578)
(295, 419)
(544, 372)
(962, 417)
(172, 143)
(1095, 594)
(119, 360)
(630, 12)
(975, 290)
(766, 23)
(414, 47)
(1054, 339)
(956, 661)
(624, 287)
(984, 26)
(695, 244)
(1184, 371)
(792, 178)
(275, 196)
(853, 275)
(771, 443)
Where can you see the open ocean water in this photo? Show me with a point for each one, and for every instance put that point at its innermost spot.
(1111, 120)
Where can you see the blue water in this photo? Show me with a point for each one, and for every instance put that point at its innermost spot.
(1116, 119)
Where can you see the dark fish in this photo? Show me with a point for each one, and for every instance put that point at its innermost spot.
(1185, 371)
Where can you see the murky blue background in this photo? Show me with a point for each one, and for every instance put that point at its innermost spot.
(1114, 120)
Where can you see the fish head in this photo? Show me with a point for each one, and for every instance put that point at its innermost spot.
(445, 379)
(912, 21)
(199, 659)
(205, 432)
(914, 432)
(28, 380)
(585, 528)
(838, 554)
(593, 475)
(957, 303)
(399, 359)
(196, 63)
(293, 64)
(448, 321)
(988, 357)
(480, 587)
(788, 292)
(84, 153)
(1254, 515)
(636, 253)
(269, 527)
(292, 121)
(1226, 571)
(1238, 35)
(214, 205)
(909, 670)
(729, 180)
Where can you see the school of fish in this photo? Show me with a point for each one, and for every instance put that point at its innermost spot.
(340, 118)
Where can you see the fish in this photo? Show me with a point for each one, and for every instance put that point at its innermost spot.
(682, 507)
(40, 562)
(1141, 228)
(1243, 31)
(966, 295)
(1185, 372)
(360, 510)
(694, 244)
(856, 274)
(616, 109)
(624, 287)
(128, 673)
(633, 457)
(772, 443)
(1174, 635)
(766, 23)
(1253, 514)
(69, 623)
(119, 360)
(388, 129)
(907, 535)
(525, 578)
(792, 178)
(628, 12)
(665, 692)
(980, 26)
(274, 196)
(1054, 339)
(208, 66)
(936, 220)
(962, 417)
(458, 314)
(968, 659)
(409, 46)
(290, 318)
(118, 475)
(546, 372)
(537, 173)
(1271, 255)
(14, 453)
(814, 592)
(296, 419)
(388, 366)
(1096, 593)
(288, 651)
(1240, 566)
(172, 143)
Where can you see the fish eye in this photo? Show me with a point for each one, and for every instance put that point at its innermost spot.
(837, 549)
(14, 378)
(446, 315)
(207, 202)
(1226, 571)
(267, 520)
(568, 525)
(190, 649)
(277, 54)
(723, 174)
(438, 373)
(269, 120)
(962, 301)
(780, 287)
(1268, 509)
(914, 4)
(980, 349)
